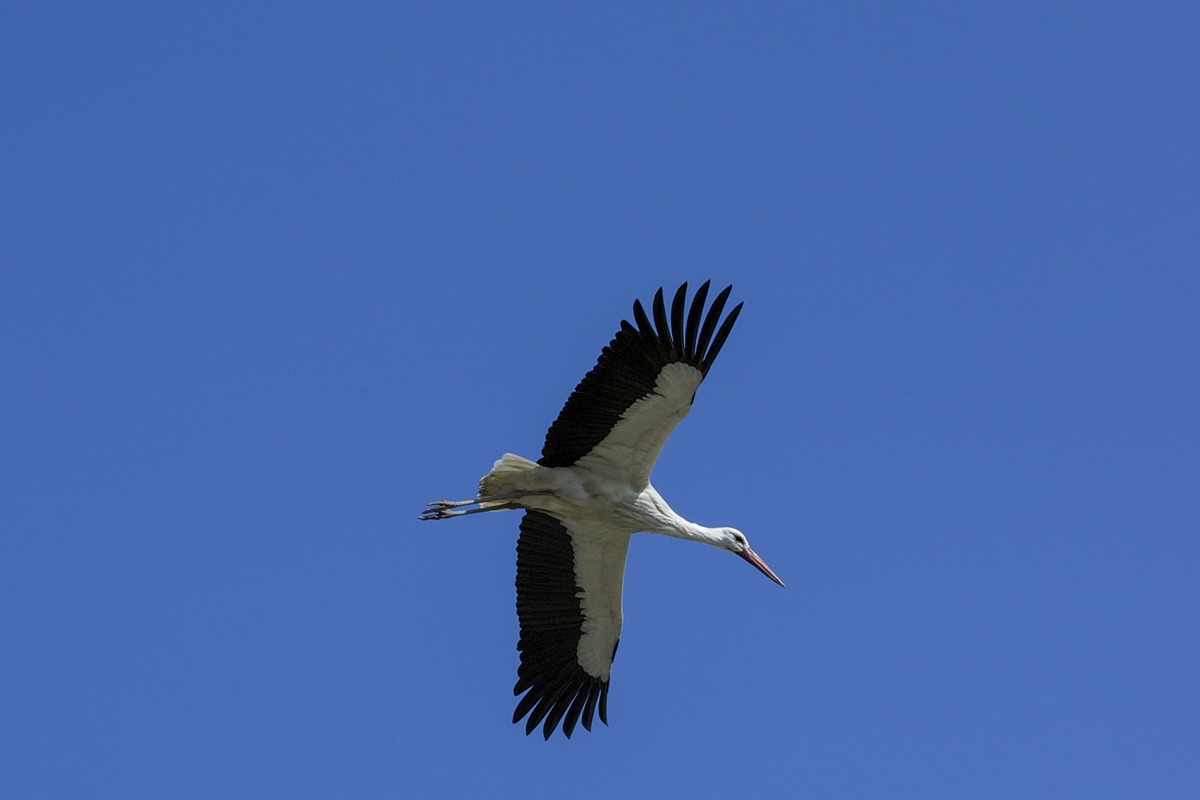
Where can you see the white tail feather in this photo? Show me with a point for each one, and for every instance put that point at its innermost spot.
(505, 476)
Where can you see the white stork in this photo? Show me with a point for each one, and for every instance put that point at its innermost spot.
(588, 494)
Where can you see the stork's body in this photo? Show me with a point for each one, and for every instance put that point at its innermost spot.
(588, 494)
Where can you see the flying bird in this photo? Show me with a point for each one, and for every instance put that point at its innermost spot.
(589, 493)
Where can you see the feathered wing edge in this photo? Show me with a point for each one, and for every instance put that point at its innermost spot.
(556, 687)
(629, 366)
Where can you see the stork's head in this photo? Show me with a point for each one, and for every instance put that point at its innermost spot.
(734, 541)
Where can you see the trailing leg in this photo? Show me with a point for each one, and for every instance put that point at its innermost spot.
(500, 490)
(444, 509)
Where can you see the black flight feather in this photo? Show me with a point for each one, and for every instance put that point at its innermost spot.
(629, 366)
(555, 686)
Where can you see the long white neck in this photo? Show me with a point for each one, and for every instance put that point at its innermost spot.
(661, 518)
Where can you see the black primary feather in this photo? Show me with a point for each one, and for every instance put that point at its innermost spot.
(551, 618)
(629, 365)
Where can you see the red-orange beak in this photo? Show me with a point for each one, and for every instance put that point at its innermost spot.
(760, 565)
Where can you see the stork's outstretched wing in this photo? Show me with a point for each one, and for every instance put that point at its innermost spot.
(621, 413)
(569, 604)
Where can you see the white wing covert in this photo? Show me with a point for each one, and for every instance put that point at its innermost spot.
(569, 606)
(621, 413)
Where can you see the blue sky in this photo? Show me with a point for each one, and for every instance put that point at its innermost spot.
(274, 276)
